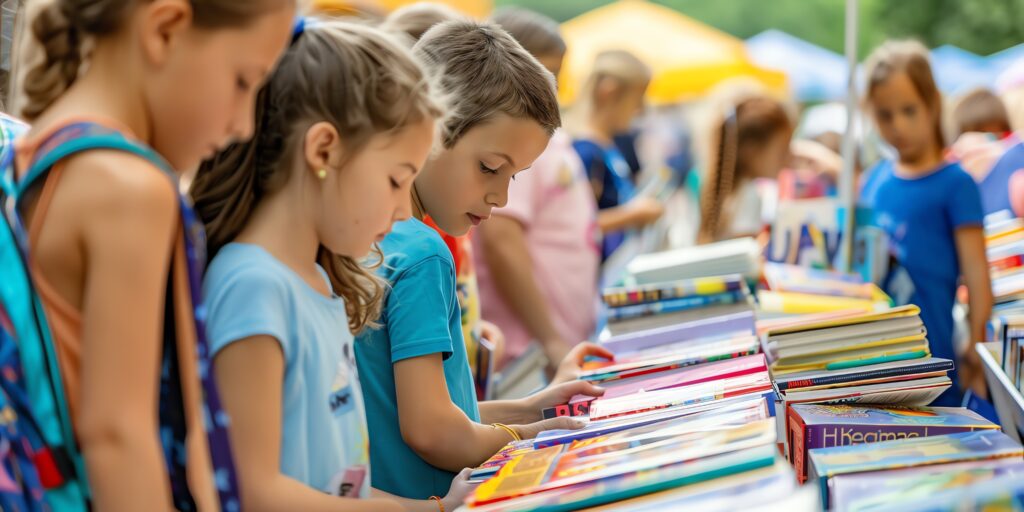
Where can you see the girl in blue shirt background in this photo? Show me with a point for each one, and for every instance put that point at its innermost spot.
(930, 209)
(342, 129)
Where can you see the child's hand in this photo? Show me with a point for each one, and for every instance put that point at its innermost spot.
(460, 488)
(561, 423)
(645, 210)
(571, 366)
(972, 374)
(557, 394)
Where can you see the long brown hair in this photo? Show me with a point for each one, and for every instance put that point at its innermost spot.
(751, 123)
(910, 57)
(62, 26)
(358, 79)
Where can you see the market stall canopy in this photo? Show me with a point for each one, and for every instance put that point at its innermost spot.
(815, 74)
(687, 57)
(475, 8)
(957, 70)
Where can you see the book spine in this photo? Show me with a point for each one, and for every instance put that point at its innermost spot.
(797, 445)
(672, 305)
(623, 297)
(878, 374)
(1006, 263)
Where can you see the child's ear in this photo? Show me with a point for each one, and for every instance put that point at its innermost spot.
(162, 21)
(322, 146)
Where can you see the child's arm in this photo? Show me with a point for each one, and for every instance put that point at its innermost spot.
(437, 430)
(528, 410)
(506, 254)
(636, 213)
(127, 231)
(250, 374)
(970, 248)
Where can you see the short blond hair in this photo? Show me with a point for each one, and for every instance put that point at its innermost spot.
(484, 72)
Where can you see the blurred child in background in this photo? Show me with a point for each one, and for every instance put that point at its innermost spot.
(610, 99)
(930, 208)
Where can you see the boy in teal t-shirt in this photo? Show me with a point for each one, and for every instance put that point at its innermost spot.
(414, 323)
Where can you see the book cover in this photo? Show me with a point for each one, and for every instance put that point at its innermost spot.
(822, 426)
(918, 392)
(753, 384)
(719, 326)
(553, 468)
(862, 492)
(897, 312)
(580, 405)
(815, 378)
(686, 355)
(805, 303)
(793, 278)
(919, 451)
(616, 297)
(739, 256)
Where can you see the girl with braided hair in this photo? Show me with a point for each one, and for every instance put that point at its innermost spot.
(751, 142)
(166, 82)
(343, 127)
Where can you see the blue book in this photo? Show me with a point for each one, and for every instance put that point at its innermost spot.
(827, 463)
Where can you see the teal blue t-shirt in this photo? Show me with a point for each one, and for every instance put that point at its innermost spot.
(324, 441)
(421, 317)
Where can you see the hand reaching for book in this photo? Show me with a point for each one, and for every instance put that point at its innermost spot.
(971, 373)
(571, 365)
(557, 394)
(460, 488)
(561, 423)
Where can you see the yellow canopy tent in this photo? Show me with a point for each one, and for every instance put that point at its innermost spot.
(687, 57)
(475, 8)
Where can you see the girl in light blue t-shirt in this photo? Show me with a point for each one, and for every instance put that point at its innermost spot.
(342, 128)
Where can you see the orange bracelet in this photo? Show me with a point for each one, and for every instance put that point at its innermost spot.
(439, 503)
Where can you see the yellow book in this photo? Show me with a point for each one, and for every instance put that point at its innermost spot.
(909, 349)
(806, 303)
(869, 316)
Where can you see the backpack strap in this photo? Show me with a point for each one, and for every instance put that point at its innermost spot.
(78, 137)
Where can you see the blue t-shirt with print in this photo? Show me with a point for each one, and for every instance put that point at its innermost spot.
(921, 216)
(324, 441)
(612, 180)
(421, 316)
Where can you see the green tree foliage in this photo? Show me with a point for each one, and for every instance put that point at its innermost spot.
(981, 26)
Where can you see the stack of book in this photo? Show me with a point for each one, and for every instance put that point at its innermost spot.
(1004, 240)
(824, 426)
(879, 357)
(660, 459)
(1009, 332)
(894, 473)
(639, 307)
(739, 256)
(794, 290)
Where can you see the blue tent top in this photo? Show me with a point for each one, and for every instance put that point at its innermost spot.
(957, 70)
(815, 73)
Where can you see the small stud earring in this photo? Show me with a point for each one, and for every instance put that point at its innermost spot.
(322, 174)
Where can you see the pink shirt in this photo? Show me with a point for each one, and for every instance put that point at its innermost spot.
(555, 204)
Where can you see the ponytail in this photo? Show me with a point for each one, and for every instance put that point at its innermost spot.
(720, 182)
(60, 40)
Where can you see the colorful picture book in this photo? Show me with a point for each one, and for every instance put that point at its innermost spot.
(670, 357)
(909, 487)
(664, 459)
(828, 464)
(814, 426)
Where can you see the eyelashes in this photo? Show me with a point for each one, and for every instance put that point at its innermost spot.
(487, 170)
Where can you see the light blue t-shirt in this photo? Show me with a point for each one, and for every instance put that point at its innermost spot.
(324, 441)
(921, 216)
(421, 317)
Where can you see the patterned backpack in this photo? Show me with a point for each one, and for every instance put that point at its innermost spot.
(43, 422)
